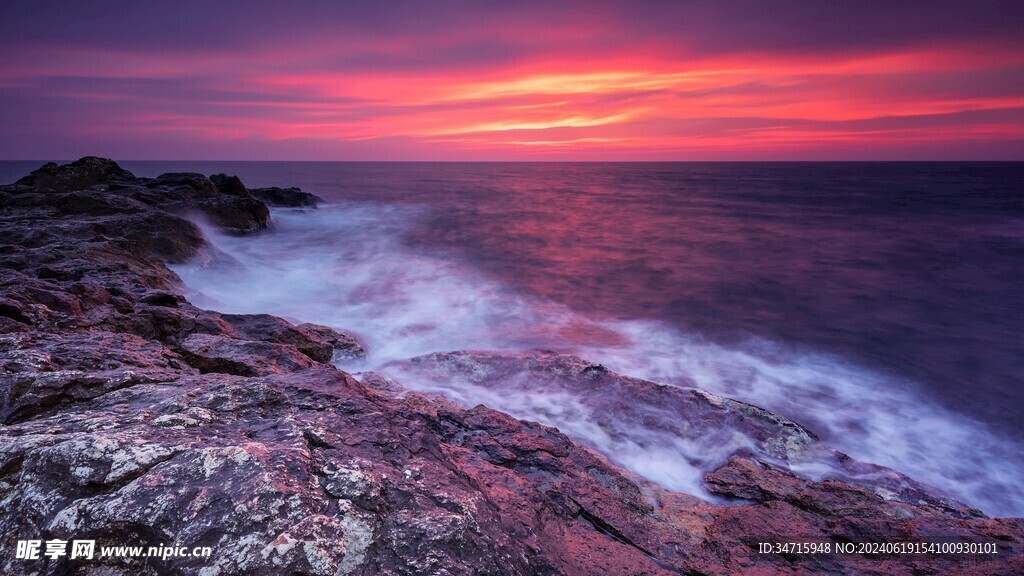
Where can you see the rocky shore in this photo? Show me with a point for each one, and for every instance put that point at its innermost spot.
(130, 417)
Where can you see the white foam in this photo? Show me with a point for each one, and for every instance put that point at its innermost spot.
(872, 416)
(664, 451)
(345, 265)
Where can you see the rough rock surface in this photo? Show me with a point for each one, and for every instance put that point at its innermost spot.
(225, 202)
(84, 173)
(230, 205)
(703, 427)
(344, 346)
(287, 197)
(131, 417)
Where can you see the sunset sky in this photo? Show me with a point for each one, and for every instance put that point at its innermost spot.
(512, 80)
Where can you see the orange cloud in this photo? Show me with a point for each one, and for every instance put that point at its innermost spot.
(627, 98)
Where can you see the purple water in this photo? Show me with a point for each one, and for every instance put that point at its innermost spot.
(880, 304)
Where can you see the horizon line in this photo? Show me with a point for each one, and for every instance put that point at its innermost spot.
(751, 161)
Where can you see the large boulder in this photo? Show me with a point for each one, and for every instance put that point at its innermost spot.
(93, 217)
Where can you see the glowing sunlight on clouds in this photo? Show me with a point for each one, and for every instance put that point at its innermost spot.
(600, 81)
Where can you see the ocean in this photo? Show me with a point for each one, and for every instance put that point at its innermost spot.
(879, 304)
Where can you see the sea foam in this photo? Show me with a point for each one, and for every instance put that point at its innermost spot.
(347, 265)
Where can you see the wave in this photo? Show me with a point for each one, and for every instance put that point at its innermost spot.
(347, 265)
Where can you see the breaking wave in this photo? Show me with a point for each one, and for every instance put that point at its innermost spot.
(347, 265)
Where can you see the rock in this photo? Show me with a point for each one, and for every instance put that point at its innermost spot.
(344, 347)
(224, 202)
(311, 472)
(225, 355)
(92, 218)
(48, 370)
(221, 200)
(609, 405)
(95, 204)
(287, 197)
(693, 425)
(79, 175)
(173, 239)
(273, 329)
(165, 299)
(795, 509)
(183, 186)
(229, 185)
(235, 213)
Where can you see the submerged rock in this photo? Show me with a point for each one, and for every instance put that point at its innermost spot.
(134, 418)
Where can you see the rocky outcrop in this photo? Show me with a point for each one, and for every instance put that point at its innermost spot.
(133, 418)
(79, 175)
(287, 197)
(223, 201)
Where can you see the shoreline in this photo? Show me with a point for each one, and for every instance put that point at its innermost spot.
(131, 415)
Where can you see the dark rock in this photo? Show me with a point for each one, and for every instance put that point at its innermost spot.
(795, 509)
(14, 310)
(163, 299)
(287, 197)
(95, 204)
(183, 185)
(52, 369)
(79, 175)
(344, 347)
(229, 185)
(89, 216)
(226, 355)
(227, 205)
(224, 201)
(173, 239)
(235, 213)
(273, 329)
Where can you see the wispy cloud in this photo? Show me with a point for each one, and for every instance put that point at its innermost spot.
(469, 80)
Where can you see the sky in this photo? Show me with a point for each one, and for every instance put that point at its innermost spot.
(512, 80)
